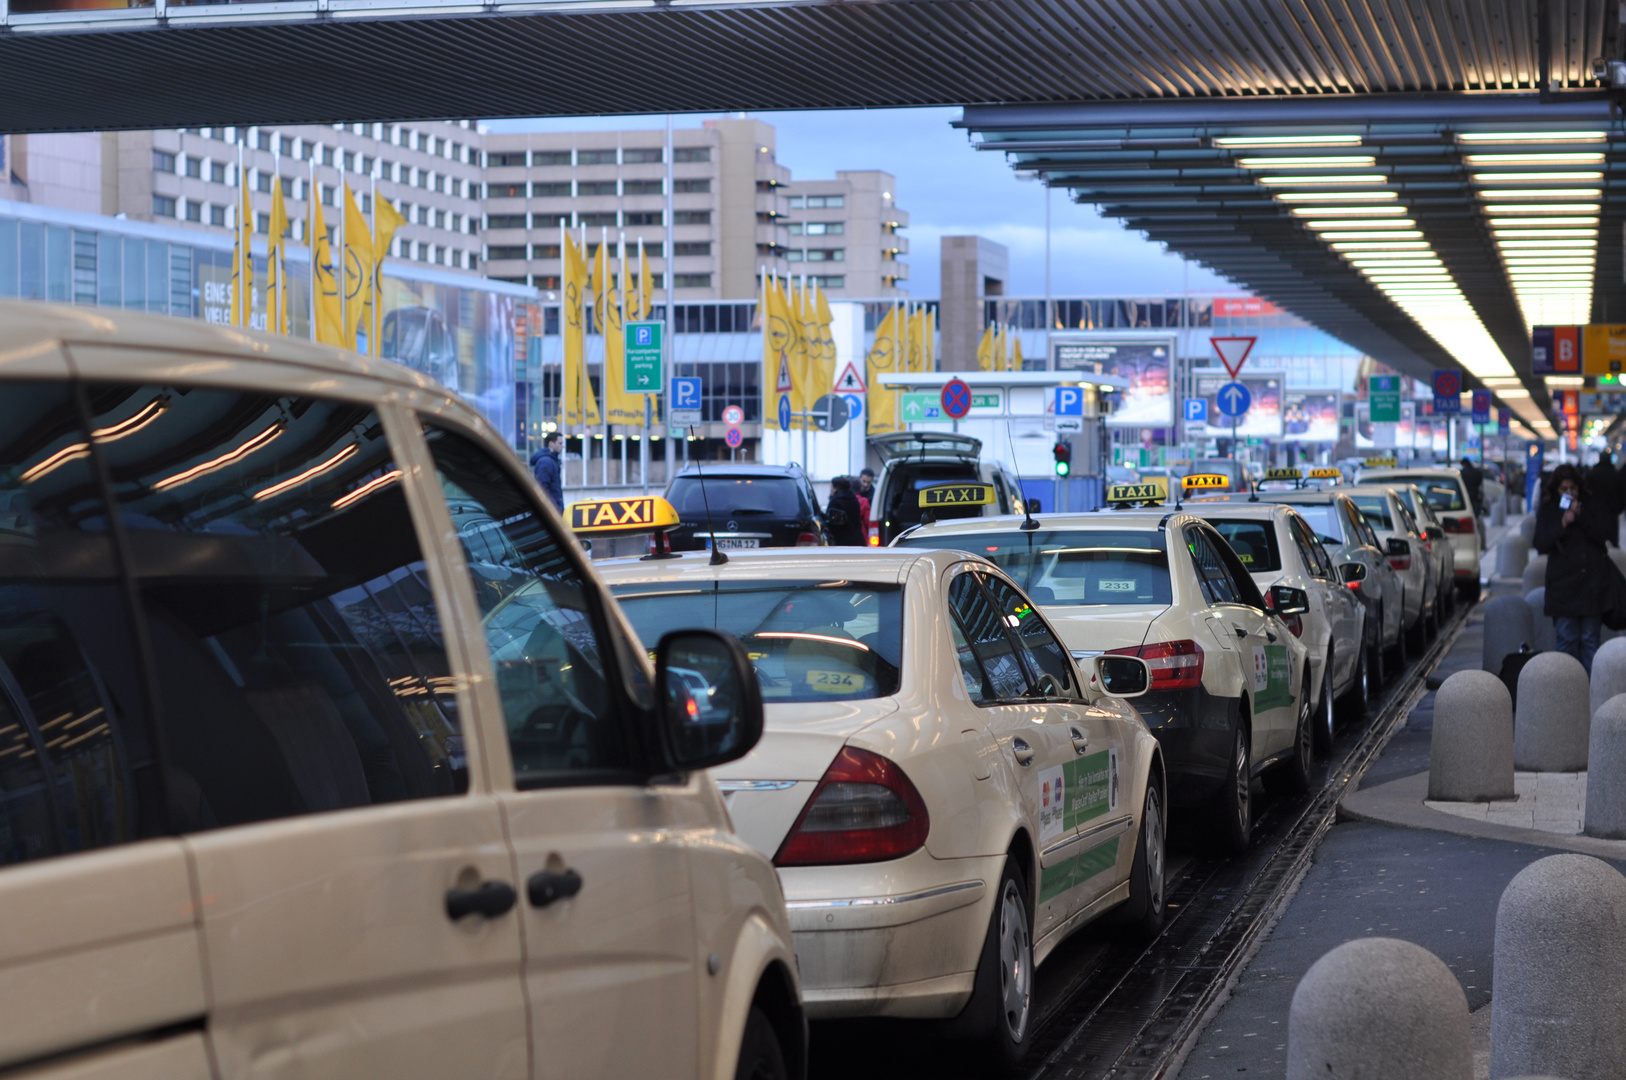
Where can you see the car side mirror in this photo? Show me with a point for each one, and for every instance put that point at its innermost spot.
(1352, 572)
(1398, 548)
(1122, 676)
(710, 705)
(1434, 532)
(1286, 600)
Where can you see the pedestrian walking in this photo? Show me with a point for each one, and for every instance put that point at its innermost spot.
(1474, 479)
(547, 465)
(1604, 483)
(1570, 531)
(843, 514)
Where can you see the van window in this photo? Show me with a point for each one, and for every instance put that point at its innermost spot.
(299, 652)
(1254, 543)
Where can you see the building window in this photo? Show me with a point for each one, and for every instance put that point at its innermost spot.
(597, 221)
(194, 168)
(286, 146)
(327, 155)
(440, 219)
(420, 141)
(826, 254)
(550, 221)
(595, 157)
(691, 153)
(691, 187)
(262, 223)
(691, 281)
(595, 187)
(217, 215)
(641, 187)
(699, 247)
(506, 251)
(643, 217)
(262, 140)
(440, 183)
(547, 281)
(656, 281)
(794, 255)
(163, 206)
(163, 161)
(505, 221)
(287, 187)
(262, 182)
(820, 228)
(194, 211)
(555, 189)
(796, 202)
(544, 251)
(440, 147)
(831, 281)
(641, 155)
(821, 202)
(691, 217)
(217, 172)
(500, 160)
(550, 157)
(505, 191)
(366, 203)
(328, 195)
(366, 165)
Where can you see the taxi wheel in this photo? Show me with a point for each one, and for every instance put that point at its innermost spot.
(1144, 910)
(1233, 804)
(1375, 672)
(1000, 1012)
(761, 1057)
(1360, 691)
(1417, 640)
(1296, 773)
(1326, 725)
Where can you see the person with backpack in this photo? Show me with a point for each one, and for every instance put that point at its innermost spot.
(547, 466)
(843, 514)
(1571, 530)
(1604, 484)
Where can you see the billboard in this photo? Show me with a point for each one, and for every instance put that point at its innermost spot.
(1310, 416)
(1146, 362)
(1264, 416)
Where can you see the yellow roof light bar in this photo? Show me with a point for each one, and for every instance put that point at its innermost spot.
(604, 517)
(957, 495)
(1148, 493)
(1199, 481)
(1234, 142)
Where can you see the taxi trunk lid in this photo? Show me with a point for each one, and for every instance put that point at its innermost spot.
(766, 789)
(1095, 629)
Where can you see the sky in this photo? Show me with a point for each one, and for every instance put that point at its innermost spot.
(949, 189)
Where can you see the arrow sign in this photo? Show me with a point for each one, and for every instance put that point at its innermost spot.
(849, 381)
(1233, 399)
(1233, 352)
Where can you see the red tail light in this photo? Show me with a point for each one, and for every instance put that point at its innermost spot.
(1400, 562)
(807, 539)
(864, 810)
(1462, 526)
(874, 541)
(1175, 665)
(1295, 623)
(1354, 585)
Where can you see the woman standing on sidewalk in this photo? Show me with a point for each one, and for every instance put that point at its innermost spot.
(1571, 528)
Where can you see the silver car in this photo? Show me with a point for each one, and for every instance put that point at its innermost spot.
(1404, 543)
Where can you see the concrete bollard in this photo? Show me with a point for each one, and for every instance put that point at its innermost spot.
(1560, 963)
(1470, 755)
(1509, 623)
(1512, 555)
(1546, 635)
(1606, 769)
(1379, 1007)
(1527, 528)
(1553, 715)
(1535, 574)
(1608, 672)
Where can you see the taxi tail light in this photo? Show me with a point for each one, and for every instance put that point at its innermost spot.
(864, 810)
(1400, 562)
(1462, 525)
(1175, 665)
(807, 539)
(874, 541)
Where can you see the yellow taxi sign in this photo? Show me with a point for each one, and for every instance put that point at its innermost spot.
(645, 513)
(957, 495)
(1284, 474)
(1381, 463)
(1326, 472)
(1150, 491)
(1205, 480)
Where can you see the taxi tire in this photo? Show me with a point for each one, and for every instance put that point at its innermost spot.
(1143, 912)
(1417, 639)
(1355, 699)
(1233, 804)
(761, 1056)
(1295, 775)
(1326, 720)
(983, 1023)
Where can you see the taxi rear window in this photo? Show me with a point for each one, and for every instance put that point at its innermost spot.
(1254, 543)
(808, 640)
(1072, 567)
(1322, 520)
(1375, 508)
(1442, 492)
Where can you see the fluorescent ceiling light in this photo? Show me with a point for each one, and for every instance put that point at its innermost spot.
(1538, 208)
(1514, 234)
(1355, 161)
(1350, 178)
(1542, 193)
(1287, 140)
(1347, 211)
(1376, 245)
(1548, 243)
(1390, 223)
(1502, 222)
(1363, 234)
(1588, 176)
(1570, 381)
(1530, 136)
(1512, 394)
(1336, 196)
(1534, 159)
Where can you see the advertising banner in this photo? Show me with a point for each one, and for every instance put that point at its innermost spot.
(1146, 362)
(1311, 416)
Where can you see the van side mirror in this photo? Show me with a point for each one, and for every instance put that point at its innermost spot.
(1122, 676)
(1352, 572)
(1286, 600)
(1434, 532)
(1398, 548)
(710, 703)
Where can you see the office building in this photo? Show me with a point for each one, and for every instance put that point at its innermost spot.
(846, 234)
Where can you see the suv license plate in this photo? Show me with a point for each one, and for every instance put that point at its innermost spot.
(733, 544)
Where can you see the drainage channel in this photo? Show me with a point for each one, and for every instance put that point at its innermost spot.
(1137, 1010)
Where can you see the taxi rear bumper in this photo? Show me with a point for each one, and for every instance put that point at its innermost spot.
(1196, 730)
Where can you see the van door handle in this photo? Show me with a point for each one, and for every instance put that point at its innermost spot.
(490, 898)
(546, 886)
(1023, 752)
(1081, 742)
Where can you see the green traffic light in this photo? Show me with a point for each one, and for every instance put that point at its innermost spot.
(1062, 468)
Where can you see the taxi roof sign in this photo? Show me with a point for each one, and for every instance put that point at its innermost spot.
(640, 514)
(1205, 480)
(1284, 474)
(1150, 492)
(957, 495)
(1326, 472)
(1381, 463)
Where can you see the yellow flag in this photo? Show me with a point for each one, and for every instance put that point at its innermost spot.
(276, 308)
(242, 273)
(329, 327)
(620, 407)
(580, 407)
(928, 340)
(881, 403)
(1016, 352)
(985, 350)
(646, 284)
(358, 270)
(386, 220)
(917, 331)
(824, 372)
(778, 345)
(999, 348)
(806, 372)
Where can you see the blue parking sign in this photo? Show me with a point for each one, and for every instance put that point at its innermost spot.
(686, 392)
(1069, 401)
(1196, 410)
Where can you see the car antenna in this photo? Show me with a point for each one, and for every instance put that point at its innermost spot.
(1028, 524)
(717, 556)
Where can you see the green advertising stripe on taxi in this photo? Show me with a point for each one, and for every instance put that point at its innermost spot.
(1278, 689)
(1069, 873)
(1089, 788)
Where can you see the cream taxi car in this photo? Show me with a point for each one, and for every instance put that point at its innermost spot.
(1230, 698)
(324, 752)
(946, 795)
(1447, 494)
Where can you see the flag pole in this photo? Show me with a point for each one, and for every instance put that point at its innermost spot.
(312, 193)
(237, 245)
(347, 333)
(273, 280)
(604, 364)
(563, 411)
(375, 273)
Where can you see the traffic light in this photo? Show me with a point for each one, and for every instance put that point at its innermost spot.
(1063, 452)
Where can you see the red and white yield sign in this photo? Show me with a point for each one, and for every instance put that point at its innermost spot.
(1233, 351)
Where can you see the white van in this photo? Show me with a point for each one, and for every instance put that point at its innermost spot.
(913, 460)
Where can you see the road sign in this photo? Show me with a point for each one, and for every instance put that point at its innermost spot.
(784, 412)
(989, 400)
(1196, 410)
(1383, 398)
(1233, 399)
(643, 357)
(919, 407)
(830, 412)
(1069, 401)
(733, 437)
(855, 405)
(956, 398)
(1233, 351)
(1504, 421)
(1066, 424)
(1447, 392)
(733, 416)
(1482, 406)
(683, 401)
(850, 381)
(782, 385)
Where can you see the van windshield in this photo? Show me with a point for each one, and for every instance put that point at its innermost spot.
(1072, 567)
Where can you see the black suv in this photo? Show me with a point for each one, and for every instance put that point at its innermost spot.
(752, 506)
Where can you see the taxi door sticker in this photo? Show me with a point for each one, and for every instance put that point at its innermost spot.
(1091, 791)
(1272, 677)
(1052, 785)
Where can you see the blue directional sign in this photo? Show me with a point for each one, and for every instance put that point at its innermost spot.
(784, 412)
(685, 393)
(1196, 410)
(1233, 399)
(855, 406)
(1069, 401)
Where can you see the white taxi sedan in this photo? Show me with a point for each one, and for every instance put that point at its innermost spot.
(945, 795)
(1230, 697)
